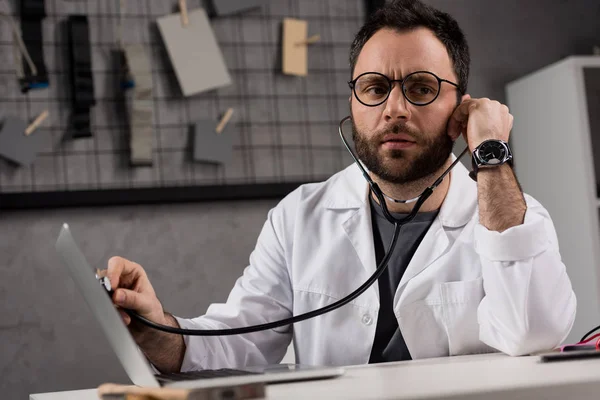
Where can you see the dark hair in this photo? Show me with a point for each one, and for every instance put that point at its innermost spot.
(406, 15)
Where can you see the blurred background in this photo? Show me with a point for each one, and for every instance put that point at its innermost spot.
(192, 220)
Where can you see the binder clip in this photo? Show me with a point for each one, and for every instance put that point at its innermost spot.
(33, 74)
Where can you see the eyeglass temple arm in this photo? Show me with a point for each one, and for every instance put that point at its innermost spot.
(452, 83)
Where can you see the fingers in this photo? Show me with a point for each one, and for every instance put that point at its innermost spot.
(461, 113)
(124, 316)
(489, 110)
(139, 302)
(115, 268)
(120, 269)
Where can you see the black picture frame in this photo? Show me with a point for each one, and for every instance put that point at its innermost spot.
(154, 195)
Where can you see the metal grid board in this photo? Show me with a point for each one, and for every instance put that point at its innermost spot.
(285, 127)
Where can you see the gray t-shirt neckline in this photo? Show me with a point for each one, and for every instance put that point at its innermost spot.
(389, 344)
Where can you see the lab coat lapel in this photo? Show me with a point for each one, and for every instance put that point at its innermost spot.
(349, 195)
(433, 245)
(359, 230)
(457, 208)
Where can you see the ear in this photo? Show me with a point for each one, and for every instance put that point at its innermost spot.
(455, 127)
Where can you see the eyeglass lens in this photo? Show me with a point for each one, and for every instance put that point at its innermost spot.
(419, 88)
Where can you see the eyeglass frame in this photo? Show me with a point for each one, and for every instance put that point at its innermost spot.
(352, 85)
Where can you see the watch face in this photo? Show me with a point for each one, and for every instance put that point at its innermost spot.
(492, 152)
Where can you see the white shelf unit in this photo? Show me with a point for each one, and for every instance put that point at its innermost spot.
(556, 144)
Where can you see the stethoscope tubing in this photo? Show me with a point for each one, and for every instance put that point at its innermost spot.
(397, 222)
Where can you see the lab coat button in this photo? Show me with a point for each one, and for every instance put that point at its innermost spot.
(367, 320)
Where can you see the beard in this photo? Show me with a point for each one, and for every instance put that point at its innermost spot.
(403, 166)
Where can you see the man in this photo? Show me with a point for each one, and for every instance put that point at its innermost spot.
(477, 270)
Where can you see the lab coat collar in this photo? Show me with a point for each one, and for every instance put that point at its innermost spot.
(351, 191)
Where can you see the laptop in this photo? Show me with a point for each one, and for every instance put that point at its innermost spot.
(135, 363)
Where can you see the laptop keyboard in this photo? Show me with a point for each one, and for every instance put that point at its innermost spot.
(204, 374)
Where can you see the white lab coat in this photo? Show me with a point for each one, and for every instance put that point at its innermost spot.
(466, 289)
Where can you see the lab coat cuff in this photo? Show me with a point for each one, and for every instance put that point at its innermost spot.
(191, 349)
(517, 243)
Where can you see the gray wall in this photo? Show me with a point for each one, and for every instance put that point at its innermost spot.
(194, 252)
(510, 38)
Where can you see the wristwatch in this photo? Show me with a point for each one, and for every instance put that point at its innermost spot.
(490, 153)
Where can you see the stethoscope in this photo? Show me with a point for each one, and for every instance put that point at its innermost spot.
(419, 200)
(397, 222)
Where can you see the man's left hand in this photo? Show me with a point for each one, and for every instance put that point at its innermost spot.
(479, 120)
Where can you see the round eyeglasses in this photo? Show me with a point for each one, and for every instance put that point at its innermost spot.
(419, 88)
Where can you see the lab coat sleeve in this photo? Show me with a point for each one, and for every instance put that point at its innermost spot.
(529, 304)
(262, 294)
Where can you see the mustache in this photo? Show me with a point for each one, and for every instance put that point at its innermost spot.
(396, 129)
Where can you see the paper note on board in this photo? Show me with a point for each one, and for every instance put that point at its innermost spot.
(197, 59)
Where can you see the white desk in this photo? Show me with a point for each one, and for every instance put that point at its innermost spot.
(489, 376)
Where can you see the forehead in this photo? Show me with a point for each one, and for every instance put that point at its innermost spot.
(397, 54)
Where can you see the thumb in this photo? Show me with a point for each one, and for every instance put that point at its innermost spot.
(134, 301)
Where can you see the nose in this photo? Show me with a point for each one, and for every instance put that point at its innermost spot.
(396, 106)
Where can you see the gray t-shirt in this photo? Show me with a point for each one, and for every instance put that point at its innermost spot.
(389, 344)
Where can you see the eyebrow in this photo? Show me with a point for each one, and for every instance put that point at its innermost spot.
(377, 77)
(402, 77)
(424, 77)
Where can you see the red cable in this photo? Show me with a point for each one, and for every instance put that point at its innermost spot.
(590, 338)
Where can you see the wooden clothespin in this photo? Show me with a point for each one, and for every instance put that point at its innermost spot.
(184, 14)
(224, 120)
(311, 40)
(36, 122)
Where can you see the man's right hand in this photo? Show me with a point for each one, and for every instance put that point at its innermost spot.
(132, 290)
